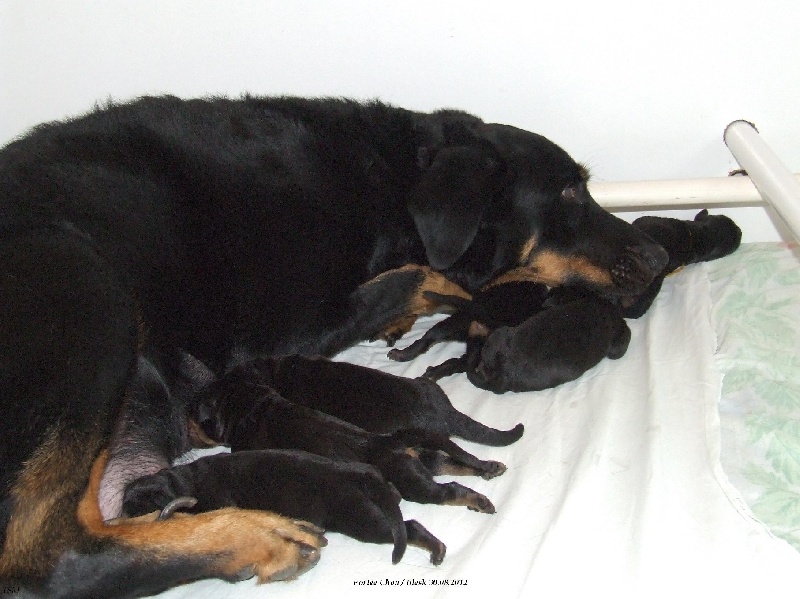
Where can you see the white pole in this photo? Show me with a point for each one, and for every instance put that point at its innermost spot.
(675, 193)
(774, 181)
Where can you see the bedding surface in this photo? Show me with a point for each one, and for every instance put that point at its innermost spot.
(615, 487)
(756, 314)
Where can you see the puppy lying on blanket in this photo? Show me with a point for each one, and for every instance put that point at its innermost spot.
(373, 400)
(554, 346)
(705, 238)
(345, 497)
(550, 344)
(242, 412)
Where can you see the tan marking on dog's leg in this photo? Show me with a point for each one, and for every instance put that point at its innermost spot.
(42, 523)
(232, 540)
(419, 304)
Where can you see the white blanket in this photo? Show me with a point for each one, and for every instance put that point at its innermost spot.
(615, 488)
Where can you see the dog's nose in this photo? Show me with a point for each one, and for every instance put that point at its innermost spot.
(655, 256)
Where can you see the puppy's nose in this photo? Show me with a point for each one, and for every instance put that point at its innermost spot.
(655, 256)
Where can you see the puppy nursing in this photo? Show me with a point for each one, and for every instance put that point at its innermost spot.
(320, 458)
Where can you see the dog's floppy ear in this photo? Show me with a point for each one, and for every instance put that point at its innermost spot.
(448, 203)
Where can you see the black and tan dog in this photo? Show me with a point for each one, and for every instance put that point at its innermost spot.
(235, 229)
(495, 305)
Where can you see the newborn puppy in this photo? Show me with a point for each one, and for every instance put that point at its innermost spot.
(373, 400)
(496, 305)
(705, 238)
(553, 346)
(344, 497)
(242, 412)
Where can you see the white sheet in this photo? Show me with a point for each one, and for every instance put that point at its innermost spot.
(615, 488)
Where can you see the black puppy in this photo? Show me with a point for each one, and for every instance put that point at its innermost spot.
(376, 401)
(552, 347)
(244, 413)
(705, 238)
(346, 497)
(503, 304)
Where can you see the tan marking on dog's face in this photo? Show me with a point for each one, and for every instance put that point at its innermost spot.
(198, 437)
(515, 275)
(555, 269)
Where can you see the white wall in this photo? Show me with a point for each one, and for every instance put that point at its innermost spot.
(636, 90)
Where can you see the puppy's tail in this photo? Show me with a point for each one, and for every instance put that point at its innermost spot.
(399, 532)
(465, 427)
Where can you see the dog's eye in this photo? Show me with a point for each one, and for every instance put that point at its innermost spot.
(570, 193)
(573, 194)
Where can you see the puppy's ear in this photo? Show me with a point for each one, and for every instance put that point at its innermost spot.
(702, 215)
(448, 203)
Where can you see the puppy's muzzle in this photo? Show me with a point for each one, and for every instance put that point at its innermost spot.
(637, 267)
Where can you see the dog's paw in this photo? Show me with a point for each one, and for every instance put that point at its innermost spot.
(269, 547)
(493, 469)
(461, 495)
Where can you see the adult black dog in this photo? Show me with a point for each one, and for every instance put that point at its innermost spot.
(232, 229)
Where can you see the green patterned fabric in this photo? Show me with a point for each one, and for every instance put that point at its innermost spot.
(756, 313)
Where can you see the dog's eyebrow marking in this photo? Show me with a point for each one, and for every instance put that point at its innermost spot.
(555, 269)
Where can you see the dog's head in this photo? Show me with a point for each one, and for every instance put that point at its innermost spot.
(493, 197)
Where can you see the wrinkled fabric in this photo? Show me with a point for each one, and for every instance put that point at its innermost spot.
(615, 488)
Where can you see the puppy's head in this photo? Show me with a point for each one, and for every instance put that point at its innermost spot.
(715, 236)
(500, 197)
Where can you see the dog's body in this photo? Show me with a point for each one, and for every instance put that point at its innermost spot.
(234, 229)
(570, 336)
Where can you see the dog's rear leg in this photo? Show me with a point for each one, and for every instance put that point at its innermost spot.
(419, 536)
(413, 480)
(449, 459)
(68, 353)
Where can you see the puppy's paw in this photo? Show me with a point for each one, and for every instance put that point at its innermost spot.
(493, 469)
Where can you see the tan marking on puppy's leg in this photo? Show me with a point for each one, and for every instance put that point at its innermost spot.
(527, 250)
(478, 329)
